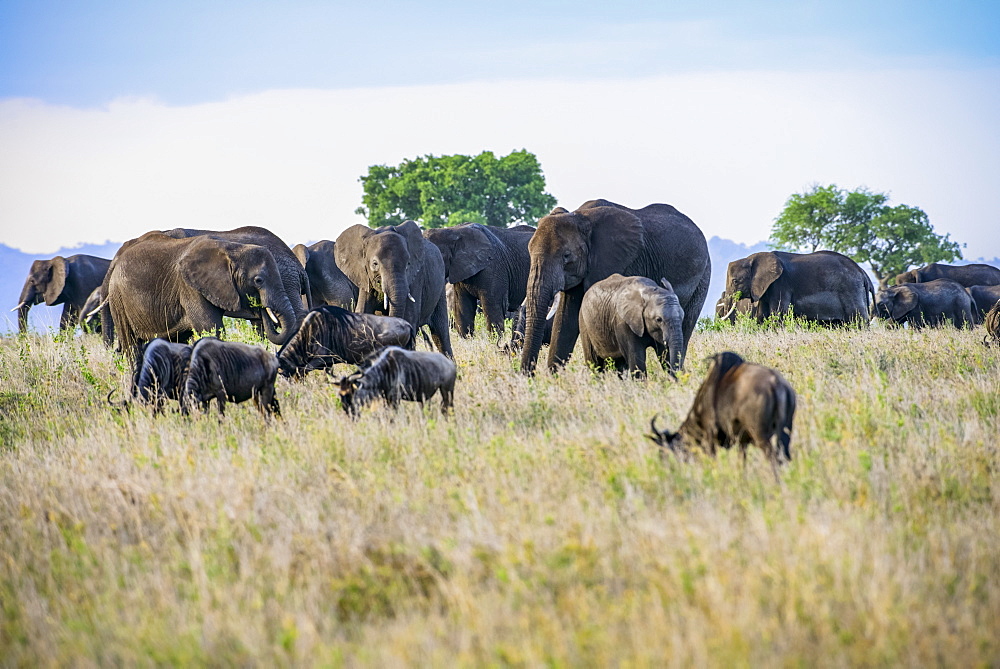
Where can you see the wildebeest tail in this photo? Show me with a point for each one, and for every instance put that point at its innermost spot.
(784, 416)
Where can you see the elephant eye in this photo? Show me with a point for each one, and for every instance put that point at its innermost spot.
(258, 281)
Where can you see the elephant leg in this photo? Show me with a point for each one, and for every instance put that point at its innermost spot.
(566, 328)
(465, 311)
(495, 312)
(692, 310)
(637, 360)
(69, 317)
(439, 329)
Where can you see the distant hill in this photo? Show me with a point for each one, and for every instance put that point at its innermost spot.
(14, 267)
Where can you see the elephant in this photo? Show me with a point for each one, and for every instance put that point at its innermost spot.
(293, 275)
(726, 309)
(930, 303)
(824, 286)
(977, 274)
(397, 270)
(160, 286)
(90, 316)
(66, 281)
(621, 317)
(571, 251)
(327, 283)
(228, 370)
(486, 265)
(983, 298)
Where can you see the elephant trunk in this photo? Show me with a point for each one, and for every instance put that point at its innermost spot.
(540, 295)
(396, 292)
(277, 317)
(675, 347)
(29, 297)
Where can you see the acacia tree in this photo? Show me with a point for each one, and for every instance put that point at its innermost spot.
(861, 225)
(439, 191)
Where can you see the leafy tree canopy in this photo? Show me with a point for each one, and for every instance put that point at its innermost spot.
(439, 191)
(861, 225)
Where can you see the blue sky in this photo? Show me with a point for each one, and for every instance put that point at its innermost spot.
(116, 117)
(183, 52)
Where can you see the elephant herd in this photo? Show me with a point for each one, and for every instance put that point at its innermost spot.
(830, 288)
(620, 280)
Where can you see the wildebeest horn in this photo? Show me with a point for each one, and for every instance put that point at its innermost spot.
(652, 426)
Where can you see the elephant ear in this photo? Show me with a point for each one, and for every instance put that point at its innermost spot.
(903, 302)
(472, 253)
(349, 253)
(631, 305)
(301, 252)
(616, 237)
(410, 231)
(765, 270)
(206, 267)
(57, 283)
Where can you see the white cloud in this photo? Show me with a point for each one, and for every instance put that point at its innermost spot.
(726, 149)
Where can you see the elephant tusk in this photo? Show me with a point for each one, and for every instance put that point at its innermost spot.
(271, 315)
(385, 301)
(730, 312)
(100, 306)
(555, 305)
(410, 298)
(19, 306)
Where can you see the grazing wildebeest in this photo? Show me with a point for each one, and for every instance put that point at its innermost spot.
(226, 370)
(161, 373)
(330, 335)
(396, 374)
(738, 403)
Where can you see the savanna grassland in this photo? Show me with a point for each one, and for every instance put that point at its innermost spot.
(538, 526)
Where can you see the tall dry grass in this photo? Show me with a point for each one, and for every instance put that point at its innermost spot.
(536, 527)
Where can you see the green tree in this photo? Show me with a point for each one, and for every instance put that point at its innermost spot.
(438, 191)
(861, 225)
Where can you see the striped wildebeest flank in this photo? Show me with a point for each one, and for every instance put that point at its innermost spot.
(230, 371)
(160, 373)
(992, 324)
(331, 335)
(738, 403)
(397, 375)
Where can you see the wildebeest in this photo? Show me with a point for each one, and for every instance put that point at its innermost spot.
(162, 373)
(396, 374)
(738, 403)
(230, 371)
(331, 335)
(992, 324)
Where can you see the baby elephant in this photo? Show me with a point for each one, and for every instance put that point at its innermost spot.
(226, 370)
(622, 316)
(396, 374)
(738, 403)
